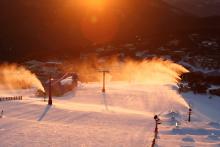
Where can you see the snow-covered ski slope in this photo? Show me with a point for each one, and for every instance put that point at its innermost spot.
(122, 117)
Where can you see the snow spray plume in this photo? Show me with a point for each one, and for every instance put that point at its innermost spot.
(13, 76)
(158, 76)
(86, 69)
(155, 71)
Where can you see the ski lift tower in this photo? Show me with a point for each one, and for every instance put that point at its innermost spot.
(104, 71)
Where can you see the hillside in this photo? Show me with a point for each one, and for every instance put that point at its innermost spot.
(62, 27)
(202, 8)
(121, 117)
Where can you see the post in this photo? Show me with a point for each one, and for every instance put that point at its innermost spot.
(156, 126)
(190, 112)
(153, 143)
(103, 80)
(157, 122)
(103, 87)
(50, 93)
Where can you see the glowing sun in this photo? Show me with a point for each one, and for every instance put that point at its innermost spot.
(95, 3)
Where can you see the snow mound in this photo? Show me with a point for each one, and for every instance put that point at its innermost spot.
(214, 125)
(172, 114)
(213, 137)
(188, 139)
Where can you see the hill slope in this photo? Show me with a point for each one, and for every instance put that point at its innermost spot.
(121, 117)
(202, 8)
(53, 27)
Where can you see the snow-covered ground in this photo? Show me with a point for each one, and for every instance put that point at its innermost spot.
(122, 117)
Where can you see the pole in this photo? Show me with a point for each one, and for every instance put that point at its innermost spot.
(156, 129)
(50, 93)
(153, 143)
(103, 87)
(190, 112)
(103, 80)
(156, 118)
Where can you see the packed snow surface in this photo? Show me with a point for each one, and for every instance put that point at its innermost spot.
(122, 117)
